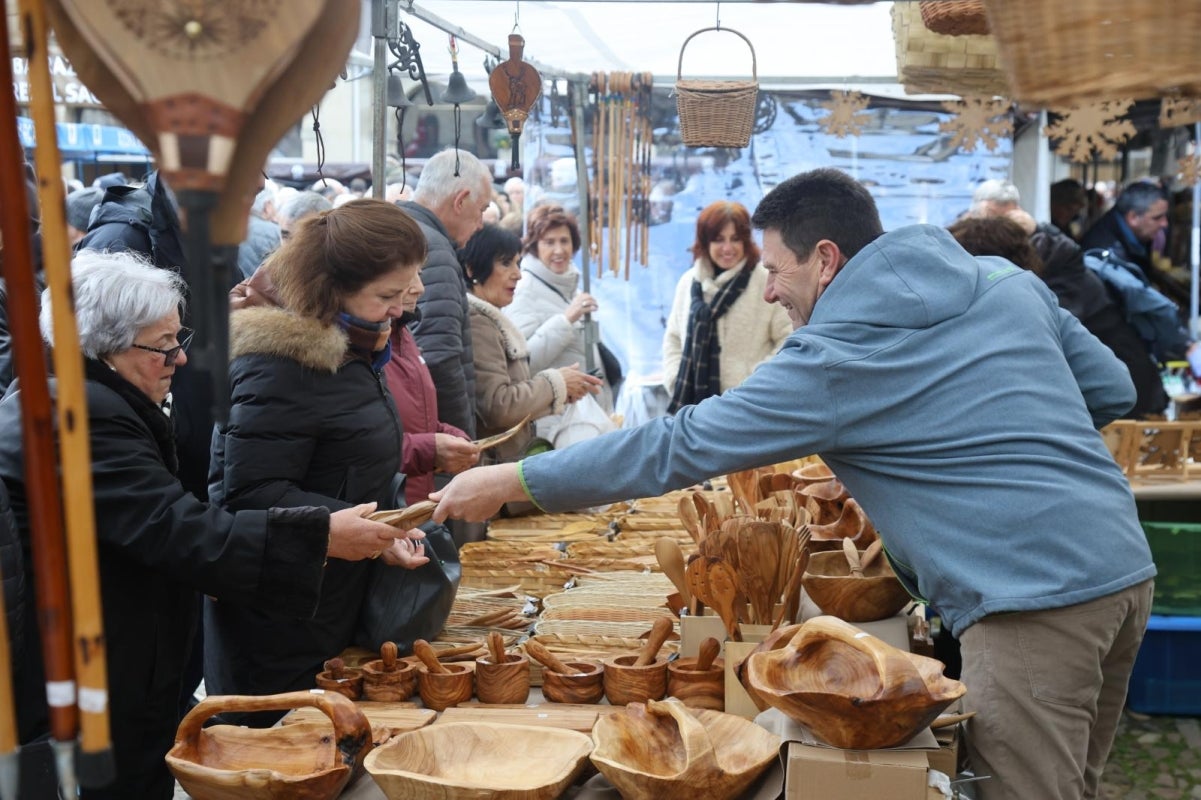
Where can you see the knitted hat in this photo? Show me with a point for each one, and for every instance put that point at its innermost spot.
(79, 207)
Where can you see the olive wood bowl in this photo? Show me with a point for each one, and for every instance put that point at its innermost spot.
(341, 679)
(441, 690)
(626, 683)
(667, 751)
(388, 678)
(586, 685)
(506, 682)
(831, 586)
(697, 688)
(852, 689)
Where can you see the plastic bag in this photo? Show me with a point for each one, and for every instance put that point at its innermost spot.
(583, 420)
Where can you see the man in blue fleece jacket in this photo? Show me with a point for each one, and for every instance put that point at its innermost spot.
(960, 405)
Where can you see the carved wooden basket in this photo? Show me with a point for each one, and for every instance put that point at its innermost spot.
(305, 761)
(665, 750)
(468, 761)
(849, 687)
(831, 586)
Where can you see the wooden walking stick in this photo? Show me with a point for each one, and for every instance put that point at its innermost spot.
(9, 747)
(41, 481)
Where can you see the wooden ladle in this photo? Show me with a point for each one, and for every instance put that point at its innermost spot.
(546, 658)
(654, 641)
(424, 651)
(852, 554)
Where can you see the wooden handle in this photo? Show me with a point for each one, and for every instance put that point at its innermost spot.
(423, 650)
(388, 653)
(707, 652)
(352, 730)
(658, 635)
(852, 554)
(496, 647)
(869, 554)
(546, 658)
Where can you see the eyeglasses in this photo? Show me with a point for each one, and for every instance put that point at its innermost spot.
(184, 337)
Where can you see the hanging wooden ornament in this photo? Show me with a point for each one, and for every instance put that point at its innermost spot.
(1177, 111)
(977, 119)
(515, 86)
(845, 117)
(1189, 170)
(1091, 128)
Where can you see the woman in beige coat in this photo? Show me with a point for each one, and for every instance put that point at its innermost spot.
(505, 390)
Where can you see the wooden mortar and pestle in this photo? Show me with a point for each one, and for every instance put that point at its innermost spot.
(502, 677)
(699, 682)
(641, 677)
(441, 685)
(567, 682)
(338, 678)
(389, 679)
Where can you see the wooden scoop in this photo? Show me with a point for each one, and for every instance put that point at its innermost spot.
(707, 653)
(496, 648)
(870, 553)
(852, 554)
(546, 658)
(671, 561)
(425, 652)
(388, 653)
(658, 635)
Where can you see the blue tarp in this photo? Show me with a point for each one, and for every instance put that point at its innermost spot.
(76, 140)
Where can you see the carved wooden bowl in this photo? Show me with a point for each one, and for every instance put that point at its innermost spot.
(389, 679)
(586, 685)
(304, 761)
(850, 522)
(852, 689)
(470, 761)
(626, 683)
(666, 751)
(697, 688)
(813, 473)
(774, 641)
(506, 682)
(441, 690)
(343, 680)
(831, 586)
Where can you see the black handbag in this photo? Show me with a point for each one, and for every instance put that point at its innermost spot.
(612, 366)
(403, 605)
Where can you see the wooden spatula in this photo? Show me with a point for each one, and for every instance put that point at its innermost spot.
(723, 589)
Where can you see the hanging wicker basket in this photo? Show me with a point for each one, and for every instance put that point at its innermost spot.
(716, 113)
(1065, 53)
(933, 62)
(955, 17)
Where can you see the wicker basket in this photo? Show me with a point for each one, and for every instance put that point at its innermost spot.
(932, 62)
(716, 113)
(955, 17)
(1064, 53)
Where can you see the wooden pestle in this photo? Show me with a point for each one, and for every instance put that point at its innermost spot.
(546, 658)
(336, 669)
(654, 641)
(387, 654)
(496, 647)
(706, 653)
(423, 650)
(852, 554)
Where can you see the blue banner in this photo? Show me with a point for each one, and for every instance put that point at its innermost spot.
(76, 139)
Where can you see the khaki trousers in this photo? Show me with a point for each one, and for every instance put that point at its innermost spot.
(1049, 687)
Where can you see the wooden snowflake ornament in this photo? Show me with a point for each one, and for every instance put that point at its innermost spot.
(845, 117)
(1176, 111)
(977, 119)
(1096, 127)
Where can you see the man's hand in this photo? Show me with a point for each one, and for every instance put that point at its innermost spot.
(352, 537)
(477, 494)
(453, 455)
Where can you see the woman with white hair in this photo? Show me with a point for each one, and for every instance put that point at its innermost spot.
(157, 544)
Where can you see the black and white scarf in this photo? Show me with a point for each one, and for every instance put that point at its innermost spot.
(700, 364)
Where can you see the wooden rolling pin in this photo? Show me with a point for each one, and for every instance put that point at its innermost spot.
(423, 650)
(658, 635)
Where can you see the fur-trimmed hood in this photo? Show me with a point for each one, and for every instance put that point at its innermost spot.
(515, 344)
(275, 332)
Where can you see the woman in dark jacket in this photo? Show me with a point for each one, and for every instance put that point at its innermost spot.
(157, 544)
(311, 422)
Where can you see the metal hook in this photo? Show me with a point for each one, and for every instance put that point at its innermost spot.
(516, 17)
(718, 14)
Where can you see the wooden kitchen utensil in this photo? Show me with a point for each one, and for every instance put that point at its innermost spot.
(633, 679)
(833, 587)
(654, 641)
(406, 518)
(723, 591)
(582, 682)
(336, 677)
(852, 556)
(671, 561)
(425, 652)
(502, 677)
(389, 679)
(699, 682)
(440, 690)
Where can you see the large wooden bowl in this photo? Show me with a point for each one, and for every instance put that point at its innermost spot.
(663, 750)
(831, 586)
(852, 689)
(471, 761)
(305, 761)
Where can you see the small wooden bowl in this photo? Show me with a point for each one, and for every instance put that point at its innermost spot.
(506, 682)
(697, 688)
(304, 761)
(584, 686)
(386, 685)
(343, 680)
(469, 761)
(626, 683)
(441, 690)
(829, 583)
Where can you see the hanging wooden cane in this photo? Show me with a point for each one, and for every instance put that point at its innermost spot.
(210, 87)
(515, 87)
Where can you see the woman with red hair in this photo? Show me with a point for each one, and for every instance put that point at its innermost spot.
(720, 327)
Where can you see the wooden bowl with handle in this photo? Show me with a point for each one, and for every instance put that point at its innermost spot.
(300, 762)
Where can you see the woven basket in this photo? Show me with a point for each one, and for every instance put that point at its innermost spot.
(716, 113)
(955, 17)
(1067, 52)
(932, 62)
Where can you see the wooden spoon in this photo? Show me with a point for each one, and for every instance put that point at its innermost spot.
(546, 658)
(658, 635)
(425, 652)
(496, 647)
(671, 561)
(870, 553)
(689, 517)
(852, 554)
(707, 653)
(723, 589)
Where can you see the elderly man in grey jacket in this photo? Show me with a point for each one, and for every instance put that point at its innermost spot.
(448, 204)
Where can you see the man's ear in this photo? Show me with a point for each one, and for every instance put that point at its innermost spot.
(460, 199)
(830, 260)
